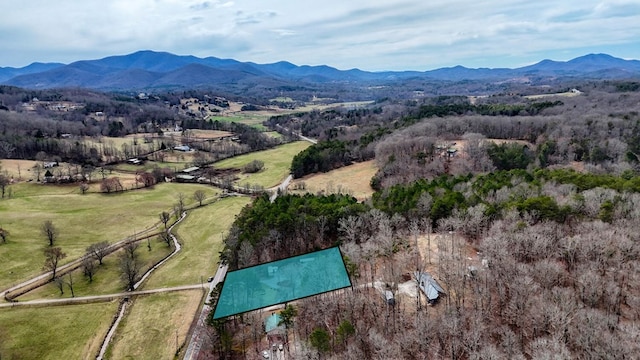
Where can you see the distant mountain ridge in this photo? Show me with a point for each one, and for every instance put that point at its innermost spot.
(150, 69)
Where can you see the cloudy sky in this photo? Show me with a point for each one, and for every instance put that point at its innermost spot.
(370, 35)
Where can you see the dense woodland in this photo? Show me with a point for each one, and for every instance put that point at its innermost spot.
(534, 236)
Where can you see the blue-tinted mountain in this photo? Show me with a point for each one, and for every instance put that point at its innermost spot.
(150, 69)
(7, 73)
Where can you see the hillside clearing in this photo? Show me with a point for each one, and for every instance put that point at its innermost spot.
(353, 179)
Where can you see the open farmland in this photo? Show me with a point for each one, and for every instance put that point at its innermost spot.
(277, 162)
(159, 333)
(107, 278)
(252, 119)
(201, 235)
(18, 170)
(81, 220)
(53, 333)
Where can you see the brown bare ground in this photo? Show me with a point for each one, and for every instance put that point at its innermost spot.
(353, 179)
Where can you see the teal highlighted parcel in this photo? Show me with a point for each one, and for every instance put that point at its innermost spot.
(281, 281)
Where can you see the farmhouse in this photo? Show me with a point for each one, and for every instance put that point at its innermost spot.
(48, 177)
(429, 286)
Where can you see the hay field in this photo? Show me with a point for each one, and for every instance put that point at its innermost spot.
(19, 170)
(353, 179)
(145, 334)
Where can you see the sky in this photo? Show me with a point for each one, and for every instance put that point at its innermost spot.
(373, 35)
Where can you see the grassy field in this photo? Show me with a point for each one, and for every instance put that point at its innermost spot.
(277, 163)
(107, 278)
(145, 334)
(59, 332)
(201, 235)
(353, 179)
(253, 119)
(18, 169)
(118, 143)
(81, 220)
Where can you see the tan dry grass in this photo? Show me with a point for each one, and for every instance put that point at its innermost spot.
(150, 328)
(19, 170)
(353, 179)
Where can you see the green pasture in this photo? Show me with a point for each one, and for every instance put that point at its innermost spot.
(57, 332)
(273, 134)
(107, 278)
(81, 220)
(200, 235)
(252, 119)
(277, 163)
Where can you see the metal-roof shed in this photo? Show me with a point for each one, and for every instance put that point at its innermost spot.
(429, 286)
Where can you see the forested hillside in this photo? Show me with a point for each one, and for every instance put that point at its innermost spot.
(524, 209)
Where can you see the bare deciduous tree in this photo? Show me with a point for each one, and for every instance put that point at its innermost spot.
(130, 249)
(164, 218)
(70, 284)
(180, 204)
(98, 250)
(89, 268)
(130, 269)
(84, 187)
(199, 196)
(53, 255)
(59, 282)
(165, 237)
(49, 231)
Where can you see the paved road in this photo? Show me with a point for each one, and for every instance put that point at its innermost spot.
(280, 188)
(200, 331)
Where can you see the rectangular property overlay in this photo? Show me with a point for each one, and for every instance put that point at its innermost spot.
(281, 281)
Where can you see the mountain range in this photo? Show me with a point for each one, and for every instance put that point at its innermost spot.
(152, 70)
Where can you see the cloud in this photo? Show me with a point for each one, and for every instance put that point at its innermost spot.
(373, 35)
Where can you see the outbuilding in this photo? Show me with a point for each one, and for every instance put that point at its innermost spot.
(429, 286)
